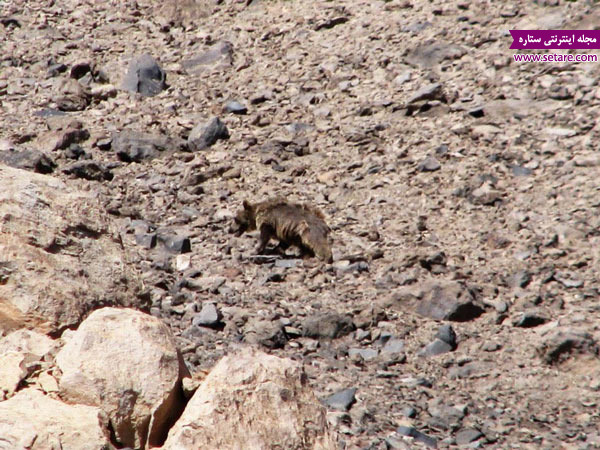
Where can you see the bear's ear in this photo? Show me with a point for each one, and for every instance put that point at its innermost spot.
(247, 205)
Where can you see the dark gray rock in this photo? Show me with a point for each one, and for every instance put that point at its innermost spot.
(145, 76)
(133, 146)
(235, 107)
(408, 411)
(530, 319)
(341, 400)
(268, 333)
(79, 70)
(55, 70)
(328, 325)
(446, 334)
(435, 263)
(28, 159)
(49, 112)
(175, 244)
(430, 92)
(89, 170)
(417, 436)
(76, 152)
(206, 134)
(146, 240)
(476, 112)
(467, 435)
(393, 346)
(441, 301)
(437, 347)
(429, 164)
(209, 316)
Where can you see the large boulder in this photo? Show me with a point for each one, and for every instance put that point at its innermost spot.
(126, 363)
(34, 421)
(252, 400)
(59, 256)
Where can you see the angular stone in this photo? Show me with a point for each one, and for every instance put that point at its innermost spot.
(89, 170)
(429, 92)
(144, 76)
(437, 347)
(529, 319)
(467, 435)
(28, 159)
(133, 146)
(235, 107)
(449, 300)
(175, 244)
(429, 164)
(208, 316)
(446, 334)
(328, 325)
(393, 346)
(206, 134)
(268, 333)
(341, 400)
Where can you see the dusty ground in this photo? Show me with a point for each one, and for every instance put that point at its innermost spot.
(485, 185)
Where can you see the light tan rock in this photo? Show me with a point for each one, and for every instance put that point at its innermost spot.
(18, 351)
(12, 370)
(34, 421)
(126, 363)
(35, 344)
(251, 400)
(59, 256)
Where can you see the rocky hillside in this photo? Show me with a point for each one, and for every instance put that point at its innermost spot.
(461, 308)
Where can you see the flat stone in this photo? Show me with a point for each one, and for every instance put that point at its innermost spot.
(429, 92)
(235, 107)
(417, 436)
(568, 279)
(467, 435)
(437, 347)
(341, 400)
(393, 346)
(429, 164)
(365, 353)
(28, 159)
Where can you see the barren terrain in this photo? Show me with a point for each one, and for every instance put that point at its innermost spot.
(461, 189)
